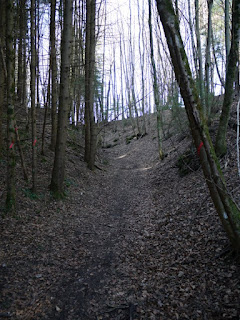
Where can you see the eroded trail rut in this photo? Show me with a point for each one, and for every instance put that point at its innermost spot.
(116, 215)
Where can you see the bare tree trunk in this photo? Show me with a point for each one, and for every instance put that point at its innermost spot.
(208, 59)
(46, 98)
(155, 85)
(192, 38)
(108, 97)
(90, 126)
(58, 173)
(114, 91)
(227, 29)
(215, 59)
(221, 143)
(227, 209)
(121, 79)
(24, 73)
(142, 62)
(103, 63)
(21, 12)
(132, 70)
(33, 93)
(3, 73)
(199, 55)
(37, 46)
(11, 139)
(127, 85)
(53, 64)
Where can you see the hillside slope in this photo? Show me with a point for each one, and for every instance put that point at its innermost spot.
(133, 240)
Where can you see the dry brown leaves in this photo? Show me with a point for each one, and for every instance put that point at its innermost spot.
(131, 241)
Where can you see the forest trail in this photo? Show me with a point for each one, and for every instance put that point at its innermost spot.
(102, 288)
(134, 240)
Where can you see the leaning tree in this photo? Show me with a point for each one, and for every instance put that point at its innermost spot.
(225, 205)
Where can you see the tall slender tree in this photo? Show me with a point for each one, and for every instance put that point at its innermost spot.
(142, 63)
(20, 54)
(3, 71)
(103, 61)
(192, 38)
(58, 173)
(155, 85)
(53, 66)
(90, 126)
(33, 93)
(199, 55)
(221, 140)
(208, 59)
(11, 139)
(227, 28)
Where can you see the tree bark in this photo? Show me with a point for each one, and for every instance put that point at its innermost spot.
(53, 64)
(21, 12)
(142, 63)
(33, 94)
(46, 98)
(192, 38)
(216, 62)
(90, 126)
(199, 56)
(11, 139)
(227, 28)
(208, 59)
(221, 142)
(227, 209)
(155, 85)
(3, 74)
(58, 173)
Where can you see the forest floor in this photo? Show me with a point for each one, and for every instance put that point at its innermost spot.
(134, 239)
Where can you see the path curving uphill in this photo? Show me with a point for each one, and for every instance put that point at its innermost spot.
(131, 241)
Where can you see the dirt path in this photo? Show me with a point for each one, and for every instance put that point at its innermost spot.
(116, 214)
